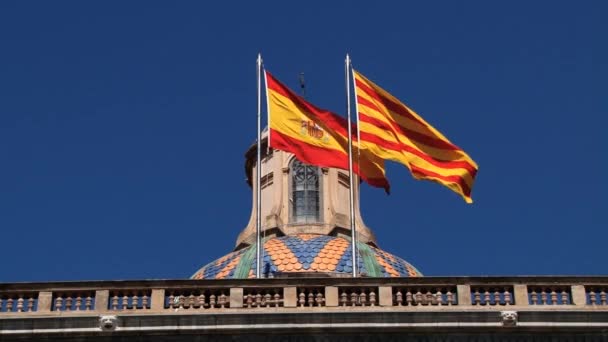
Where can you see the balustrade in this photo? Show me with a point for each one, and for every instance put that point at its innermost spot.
(19, 302)
(262, 297)
(488, 295)
(74, 301)
(358, 296)
(197, 299)
(492, 294)
(311, 296)
(549, 295)
(129, 300)
(596, 295)
(424, 295)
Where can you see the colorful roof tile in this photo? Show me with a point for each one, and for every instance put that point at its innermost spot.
(307, 253)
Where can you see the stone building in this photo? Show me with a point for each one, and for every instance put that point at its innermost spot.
(307, 292)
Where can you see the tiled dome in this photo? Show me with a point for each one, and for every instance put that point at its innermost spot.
(307, 253)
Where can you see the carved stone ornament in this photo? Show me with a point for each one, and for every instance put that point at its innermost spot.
(509, 318)
(108, 323)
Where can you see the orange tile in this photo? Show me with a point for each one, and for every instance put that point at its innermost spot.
(331, 258)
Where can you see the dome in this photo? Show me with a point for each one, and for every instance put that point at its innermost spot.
(307, 254)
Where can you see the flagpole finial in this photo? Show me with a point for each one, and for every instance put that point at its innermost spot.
(259, 60)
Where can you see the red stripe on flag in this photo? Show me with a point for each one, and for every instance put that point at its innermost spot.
(452, 179)
(430, 141)
(444, 164)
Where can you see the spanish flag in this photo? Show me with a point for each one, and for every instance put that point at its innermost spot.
(391, 130)
(315, 136)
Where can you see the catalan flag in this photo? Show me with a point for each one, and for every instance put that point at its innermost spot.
(391, 130)
(315, 136)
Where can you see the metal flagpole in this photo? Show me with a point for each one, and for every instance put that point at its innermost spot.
(352, 74)
(350, 171)
(258, 219)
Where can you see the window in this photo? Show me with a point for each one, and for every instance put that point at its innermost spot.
(305, 194)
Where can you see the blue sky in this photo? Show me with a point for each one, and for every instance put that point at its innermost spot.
(123, 127)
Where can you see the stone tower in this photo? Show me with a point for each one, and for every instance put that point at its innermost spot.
(305, 226)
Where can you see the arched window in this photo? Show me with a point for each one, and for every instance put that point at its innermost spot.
(305, 193)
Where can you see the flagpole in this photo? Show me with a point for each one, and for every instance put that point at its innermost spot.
(258, 219)
(352, 74)
(350, 171)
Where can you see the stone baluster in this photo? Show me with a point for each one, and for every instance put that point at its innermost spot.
(248, 300)
(212, 300)
(431, 298)
(181, 298)
(449, 297)
(135, 301)
(201, 301)
(497, 299)
(418, 298)
(302, 298)
(20, 303)
(268, 299)
(592, 297)
(543, 296)
(486, 297)
(258, 300)
(78, 302)
(223, 300)
(319, 300)
(372, 298)
(171, 299)
(145, 301)
(476, 297)
(277, 299)
(353, 298)
(343, 298)
(9, 304)
(68, 302)
(534, 297)
(114, 304)
(554, 297)
(363, 298)
(507, 297)
(602, 297)
(435, 299)
(88, 303)
(59, 302)
(30, 303)
(311, 298)
(399, 298)
(124, 302)
(191, 301)
(409, 299)
(565, 297)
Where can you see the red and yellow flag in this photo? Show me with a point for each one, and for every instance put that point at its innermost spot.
(391, 130)
(315, 136)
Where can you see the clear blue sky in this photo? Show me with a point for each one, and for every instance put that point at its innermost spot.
(123, 127)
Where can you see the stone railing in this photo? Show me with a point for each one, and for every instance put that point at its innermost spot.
(200, 296)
